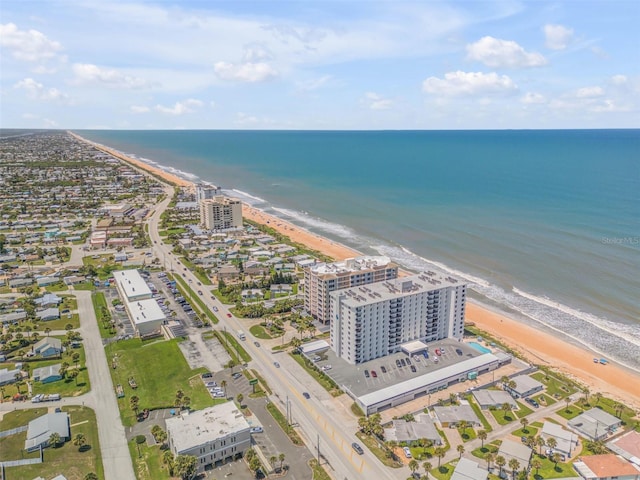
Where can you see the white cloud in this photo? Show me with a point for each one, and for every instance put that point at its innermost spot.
(376, 102)
(37, 91)
(557, 37)
(531, 98)
(313, 84)
(180, 108)
(608, 105)
(245, 72)
(139, 109)
(87, 73)
(497, 53)
(590, 92)
(469, 83)
(619, 79)
(27, 45)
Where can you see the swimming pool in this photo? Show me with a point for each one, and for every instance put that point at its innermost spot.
(479, 347)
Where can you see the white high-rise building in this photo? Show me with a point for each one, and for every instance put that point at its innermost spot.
(205, 191)
(323, 278)
(373, 321)
(221, 213)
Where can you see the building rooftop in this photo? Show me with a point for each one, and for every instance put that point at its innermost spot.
(41, 428)
(197, 428)
(456, 413)
(396, 288)
(144, 311)
(605, 466)
(524, 383)
(365, 262)
(627, 445)
(494, 397)
(422, 427)
(45, 372)
(469, 470)
(131, 283)
(510, 449)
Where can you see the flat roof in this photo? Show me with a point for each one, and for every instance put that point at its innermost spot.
(494, 397)
(144, 311)
(314, 346)
(524, 383)
(415, 383)
(131, 283)
(413, 347)
(197, 428)
(355, 264)
(456, 413)
(422, 427)
(396, 288)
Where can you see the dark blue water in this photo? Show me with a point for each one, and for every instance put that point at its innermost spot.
(545, 223)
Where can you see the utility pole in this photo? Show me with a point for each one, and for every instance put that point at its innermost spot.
(318, 449)
(287, 405)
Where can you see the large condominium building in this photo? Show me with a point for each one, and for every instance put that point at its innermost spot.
(376, 320)
(214, 435)
(323, 278)
(221, 213)
(205, 191)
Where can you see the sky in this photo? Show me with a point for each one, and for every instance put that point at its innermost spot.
(322, 65)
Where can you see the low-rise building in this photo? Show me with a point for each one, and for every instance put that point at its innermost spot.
(214, 435)
(627, 445)
(131, 286)
(40, 430)
(566, 441)
(494, 399)
(10, 376)
(410, 432)
(469, 470)
(452, 415)
(524, 386)
(147, 317)
(606, 467)
(48, 314)
(48, 347)
(47, 374)
(595, 424)
(511, 450)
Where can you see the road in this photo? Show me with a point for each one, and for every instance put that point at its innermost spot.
(317, 420)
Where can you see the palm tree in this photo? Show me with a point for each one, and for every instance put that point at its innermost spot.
(240, 397)
(281, 458)
(500, 462)
(586, 392)
(54, 439)
(453, 398)
(505, 408)
(426, 444)
(79, 440)
(413, 465)
(272, 460)
(134, 404)
(440, 453)
(391, 445)
(74, 376)
(462, 425)
(482, 435)
(460, 449)
(537, 464)
(567, 401)
(540, 442)
(167, 459)
(295, 343)
(76, 358)
(555, 458)
(91, 476)
(524, 423)
(223, 385)
(489, 457)
(552, 443)
(598, 396)
(514, 465)
(619, 409)
(427, 466)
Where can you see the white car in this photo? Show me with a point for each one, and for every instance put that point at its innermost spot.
(407, 452)
(326, 368)
(256, 430)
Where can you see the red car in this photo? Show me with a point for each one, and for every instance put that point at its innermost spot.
(229, 315)
(374, 374)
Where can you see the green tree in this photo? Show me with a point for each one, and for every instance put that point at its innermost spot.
(490, 458)
(514, 465)
(413, 465)
(540, 442)
(555, 458)
(505, 408)
(91, 476)
(79, 440)
(537, 464)
(272, 461)
(460, 449)
(524, 422)
(54, 439)
(440, 453)
(76, 358)
(134, 403)
(281, 458)
(167, 459)
(427, 467)
(500, 461)
(185, 466)
(552, 443)
(73, 375)
(482, 435)
(255, 465)
(240, 398)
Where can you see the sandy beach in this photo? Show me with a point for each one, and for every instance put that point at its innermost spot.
(536, 345)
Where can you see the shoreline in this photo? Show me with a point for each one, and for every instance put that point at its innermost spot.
(537, 346)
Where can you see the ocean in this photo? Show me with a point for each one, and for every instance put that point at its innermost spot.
(543, 224)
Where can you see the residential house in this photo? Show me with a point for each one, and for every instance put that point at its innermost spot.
(48, 347)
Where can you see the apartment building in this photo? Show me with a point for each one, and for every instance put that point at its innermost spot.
(206, 191)
(214, 435)
(374, 321)
(323, 278)
(221, 213)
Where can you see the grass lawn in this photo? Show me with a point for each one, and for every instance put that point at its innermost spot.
(84, 286)
(544, 399)
(232, 345)
(569, 413)
(607, 405)
(99, 301)
(549, 470)
(555, 387)
(57, 287)
(160, 370)
(66, 459)
(523, 410)
(148, 465)
(196, 271)
(468, 434)
(258, 331)
(481, 452)
(503, 417)
(528, 432)
(444, 472)
(326, 382)
(379, 450)
(319, 473)
(192, 296)
(480, 415)
(282, 421)
(66, 387)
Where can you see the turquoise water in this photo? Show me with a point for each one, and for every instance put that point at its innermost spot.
(479, 347)
(542, 223)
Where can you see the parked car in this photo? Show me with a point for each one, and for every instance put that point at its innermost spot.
(357, 448)
(306, 395)
(398, 364)
(229, 315)
(374, 374)
(459, 352)
(366, 373)
(408, 361)
(407, 452)
(277, 365)
(326, 368)
(236, 376)
(257, 344)
(256, 430)
(383, 369)
(403, 362)
(413, 368)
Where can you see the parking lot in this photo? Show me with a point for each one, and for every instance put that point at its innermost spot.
(384, 372)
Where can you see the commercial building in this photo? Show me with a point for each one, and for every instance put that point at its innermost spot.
(321, 279)
(214, 435)
(373, 321)
(147, 317)
(606, 467)
(221, 213)
(131, 286)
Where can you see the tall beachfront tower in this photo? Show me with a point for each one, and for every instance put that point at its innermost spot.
(376, 320)
(205, 191)
(221, 213)
(323, 278)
